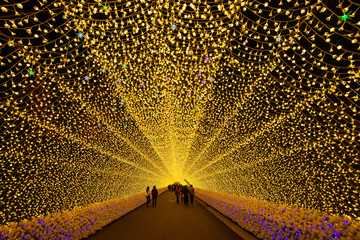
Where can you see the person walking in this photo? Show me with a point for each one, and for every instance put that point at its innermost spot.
(147, 196)
(177, 194)
(181, 193)
(154, 194)
(191, 193)
(186, 195)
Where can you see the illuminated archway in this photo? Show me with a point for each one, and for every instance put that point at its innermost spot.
(100, 99)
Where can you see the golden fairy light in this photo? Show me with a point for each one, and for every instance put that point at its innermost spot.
(101, 98)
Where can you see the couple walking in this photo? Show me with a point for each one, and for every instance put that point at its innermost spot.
(154, 193)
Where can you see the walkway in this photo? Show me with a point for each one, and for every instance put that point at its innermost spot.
(167, 221)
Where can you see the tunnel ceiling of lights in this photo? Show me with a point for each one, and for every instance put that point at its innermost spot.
(100, 99)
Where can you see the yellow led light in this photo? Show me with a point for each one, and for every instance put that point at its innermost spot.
(99, 101)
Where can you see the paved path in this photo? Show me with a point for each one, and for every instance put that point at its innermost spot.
(167, 221)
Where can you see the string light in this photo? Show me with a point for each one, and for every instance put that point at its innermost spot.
(273, 115)
(345, 17)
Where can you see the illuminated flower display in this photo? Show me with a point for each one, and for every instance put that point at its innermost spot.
(254, 98)
(77, 223)
(277, 221)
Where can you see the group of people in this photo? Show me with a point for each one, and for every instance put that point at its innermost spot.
(182, 193)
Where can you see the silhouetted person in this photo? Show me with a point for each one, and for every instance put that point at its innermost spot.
(154, 194)
(182, 194)
(186, 195)
(191, 193)
(177, 194)
(147, 196)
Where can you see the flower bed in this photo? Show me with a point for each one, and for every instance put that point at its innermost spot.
(277, 221)
(75, 224)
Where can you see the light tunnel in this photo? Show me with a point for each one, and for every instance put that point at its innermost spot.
(256, 99)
